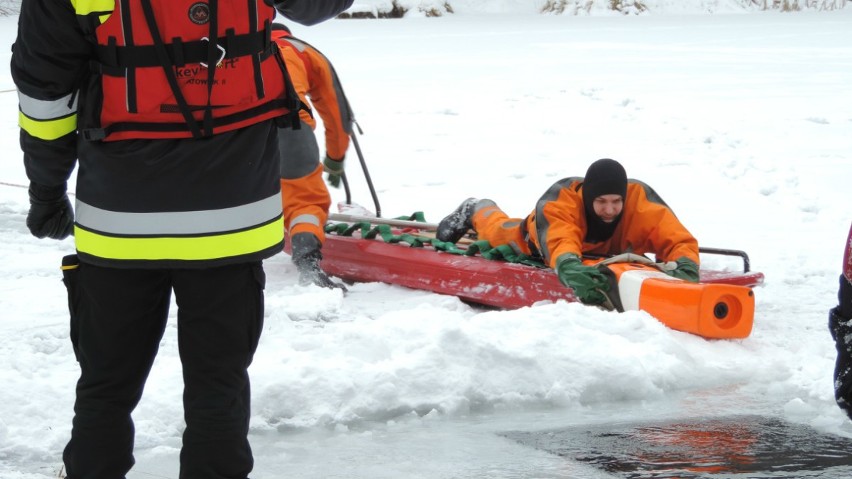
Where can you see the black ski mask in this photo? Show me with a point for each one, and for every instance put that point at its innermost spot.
(604, 177)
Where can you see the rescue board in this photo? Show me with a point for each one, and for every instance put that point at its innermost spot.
(721, 306)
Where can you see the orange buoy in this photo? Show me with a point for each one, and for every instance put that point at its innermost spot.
(715, 311)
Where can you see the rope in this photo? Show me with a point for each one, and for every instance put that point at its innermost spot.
(386, 233)
(15, 185)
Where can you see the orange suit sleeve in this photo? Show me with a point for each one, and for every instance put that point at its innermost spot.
(559, 222)
(327, 98)
(298, 72)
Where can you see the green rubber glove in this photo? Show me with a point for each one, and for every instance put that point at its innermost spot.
(334, 168)
(686, 270)
(588, 283)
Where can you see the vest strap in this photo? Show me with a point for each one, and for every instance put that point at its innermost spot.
(114, 58)
(101, 133)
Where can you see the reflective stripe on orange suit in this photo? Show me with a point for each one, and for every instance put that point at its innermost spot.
(306, 196)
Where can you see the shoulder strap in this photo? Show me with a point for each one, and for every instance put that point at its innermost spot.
(168, 65)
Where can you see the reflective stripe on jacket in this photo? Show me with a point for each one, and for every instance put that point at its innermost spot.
(47, 119)
(183, 235)
(169, 203)
(146, 203)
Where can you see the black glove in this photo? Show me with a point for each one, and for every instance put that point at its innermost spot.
(50, 215)
(307, 256)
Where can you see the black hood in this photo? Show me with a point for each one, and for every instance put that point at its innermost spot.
(604, 177)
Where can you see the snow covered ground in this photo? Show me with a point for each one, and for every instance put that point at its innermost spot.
(743, 123)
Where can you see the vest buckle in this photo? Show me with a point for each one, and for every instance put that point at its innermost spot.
(222, 53)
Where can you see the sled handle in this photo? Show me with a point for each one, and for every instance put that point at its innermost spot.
(366, 172)
(347, 218)
(706, 250)
(729, 252)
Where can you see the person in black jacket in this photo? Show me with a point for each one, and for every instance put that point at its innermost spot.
(840, 326)
(169, 112)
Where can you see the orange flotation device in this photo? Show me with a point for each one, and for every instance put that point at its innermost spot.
(710, 310)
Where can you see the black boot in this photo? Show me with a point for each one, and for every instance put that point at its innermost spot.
(307, 256)
(841, 331)
(453, 227)
(840, 326)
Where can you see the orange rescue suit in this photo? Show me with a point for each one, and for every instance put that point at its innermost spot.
(558, 226)
(304, 195)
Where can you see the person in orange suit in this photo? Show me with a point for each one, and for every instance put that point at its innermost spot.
(304, 195)
(603, 213)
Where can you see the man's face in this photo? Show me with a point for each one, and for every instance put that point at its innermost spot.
(608, 207)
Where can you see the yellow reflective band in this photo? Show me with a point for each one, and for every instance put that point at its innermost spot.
(85, 7)
(172, 248)
(49, 129)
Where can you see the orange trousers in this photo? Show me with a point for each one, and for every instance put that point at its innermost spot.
(495, 226)
(306, 202)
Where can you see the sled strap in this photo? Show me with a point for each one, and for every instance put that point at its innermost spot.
(483, 248)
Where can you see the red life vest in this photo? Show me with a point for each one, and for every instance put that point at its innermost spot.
(185, 69)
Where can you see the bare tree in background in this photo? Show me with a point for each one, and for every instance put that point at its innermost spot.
(10, 7)
(573, 7)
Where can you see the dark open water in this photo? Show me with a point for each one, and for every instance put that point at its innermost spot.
(727, 447)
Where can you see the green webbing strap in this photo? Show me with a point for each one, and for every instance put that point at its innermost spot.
(481, 247)
(366, 232)
(416, 216)
(502, 252)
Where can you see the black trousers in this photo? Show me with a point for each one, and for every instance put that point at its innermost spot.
(118, 317)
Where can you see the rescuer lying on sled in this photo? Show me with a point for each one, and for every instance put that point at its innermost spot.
(603, 213)
(840, 325)
(304, 195)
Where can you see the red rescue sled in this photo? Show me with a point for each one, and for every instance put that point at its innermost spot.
(721, 306)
